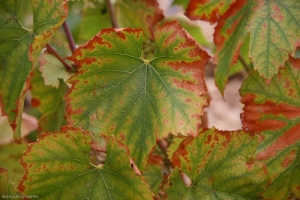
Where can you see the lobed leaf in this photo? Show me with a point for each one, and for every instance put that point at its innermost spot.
(230, 33)
(273, 26)
(148, 12)
(118, 92)
(53, 70)
(272, 110)
(19, 49)
(219, 167)
(59, 163)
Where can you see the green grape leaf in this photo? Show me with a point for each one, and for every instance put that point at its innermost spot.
(59, 163)
(19, 49)
(219, 166)
(10, 154)
(49, 101)
(207, 10)
(93, 20)
(148, 12)
(272, 110)
(274, 34)
(153, 173)
(118, 92)
(6, 187)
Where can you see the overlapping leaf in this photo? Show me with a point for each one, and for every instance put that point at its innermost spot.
(15, 58)
(118, 92)
(273, 111)
(217, 163)
(207, 10)
(153, 173)
(6, 187)
(59, 163)
(143, 14)
(49, 101)
(10, 154)
(274, 33)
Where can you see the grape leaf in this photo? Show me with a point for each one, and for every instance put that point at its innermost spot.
(274, 34)
(208, 10)
(273, 112)
(117, 92)
(153, 173)
(93, 20)
(49, 101)
(53, 70)
(18, 52)
(59, 163)
(148, 12)
(6, 187)
(10, 154)
(192, 28)
(217, 163)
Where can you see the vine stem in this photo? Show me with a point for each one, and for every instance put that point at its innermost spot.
(112, 15)
(53, 52)
(69, 37)
(163, 145)
(244, 63)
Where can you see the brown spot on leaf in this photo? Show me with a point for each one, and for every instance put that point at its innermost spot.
(181, 152)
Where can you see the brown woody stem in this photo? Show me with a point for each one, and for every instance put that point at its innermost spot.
(53, 52)
(111, 14)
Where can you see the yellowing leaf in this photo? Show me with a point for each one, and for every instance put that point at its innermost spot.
(6, 187)
(207, 10)
(218, 165)
(53, 70)
(143, 14)
(19, 50)
(118, 92)
(273, 112)
(10, 154)
(153, 173)
(58, 167)
(273, 26)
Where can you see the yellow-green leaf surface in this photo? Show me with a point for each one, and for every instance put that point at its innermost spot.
(10, 154)
(19, 48)
(153, 173)
(49, 101)
(58, 167)
(143, 14)
(93, 20)
(207, 10)
(7, 189)
(118, 92)
(192, 28)
(218, 165)
(274, 33)
(53, 70)
(273, 112)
